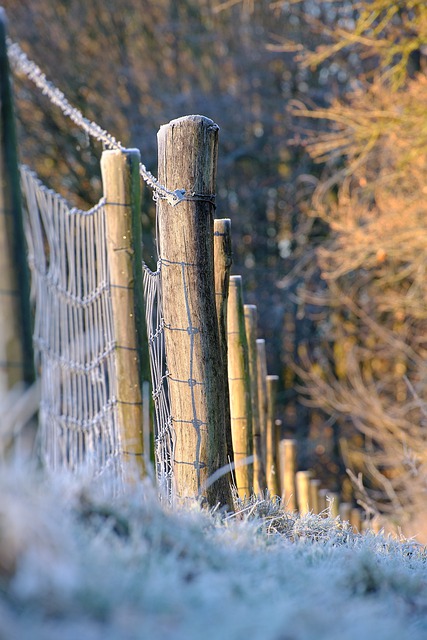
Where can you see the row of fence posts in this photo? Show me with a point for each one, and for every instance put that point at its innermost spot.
(223, 402)
(217, 370)
(217, 423)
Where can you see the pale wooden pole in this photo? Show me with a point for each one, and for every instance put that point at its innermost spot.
(376, 524)
(272, 470)
(120, 176)
(314, 495)
(323, 505)
(356, 520)
(303, 491)
(333, 501)
(187, 150)
(222, 264)
(250, 312)
(240, 388)
(262, 396)
(288, 469)
(16, 348)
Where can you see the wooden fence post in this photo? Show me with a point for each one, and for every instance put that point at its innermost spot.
(333, 502)
(222, 265)
(250, 312)
(262, 397)
(16, 347)
(272, 468)
(356, 520)
(303, 491)
(197, 378)
(323, 505)
(314, 495)
(120, 175)
(240, 388)
(288, 469)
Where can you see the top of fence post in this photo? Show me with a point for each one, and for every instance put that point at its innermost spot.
(187, 160)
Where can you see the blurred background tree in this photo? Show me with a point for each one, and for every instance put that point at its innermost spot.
(370, 371)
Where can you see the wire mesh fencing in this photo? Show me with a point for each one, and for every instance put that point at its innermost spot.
(75, 341)
(87, 277)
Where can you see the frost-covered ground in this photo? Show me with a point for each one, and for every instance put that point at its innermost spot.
(76, 566)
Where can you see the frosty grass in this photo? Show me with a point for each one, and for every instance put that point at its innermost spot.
(77, 565)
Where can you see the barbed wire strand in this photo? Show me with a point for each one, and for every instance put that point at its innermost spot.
(21, 63)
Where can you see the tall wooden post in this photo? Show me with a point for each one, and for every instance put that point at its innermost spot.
(197, 378)
(120, 175)
(262, 396)
(222, 264)
(250, 311)
(240, 389)
(16, 348)
(288, 469)
(272, 468)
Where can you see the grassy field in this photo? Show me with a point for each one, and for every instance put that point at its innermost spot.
(75, 564)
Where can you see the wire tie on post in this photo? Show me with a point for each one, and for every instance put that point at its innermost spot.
(175, 197)
(180, 195)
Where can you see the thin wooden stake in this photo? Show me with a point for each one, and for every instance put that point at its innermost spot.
(197, 377)
(120, 175)
(323, 505)
(333, 501)
(222, 265)
(314, 495)
(240, 389)
(262, 396)
(303, 491)
(288, 469)
(356, 520)
(250, 312)
(272, 470)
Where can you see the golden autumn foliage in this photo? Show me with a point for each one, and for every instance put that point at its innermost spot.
(373, 373)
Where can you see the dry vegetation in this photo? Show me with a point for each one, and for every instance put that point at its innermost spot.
(371, 373)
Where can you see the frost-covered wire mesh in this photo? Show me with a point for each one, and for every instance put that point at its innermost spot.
(73, 331)
(74, 337)
(164, 442)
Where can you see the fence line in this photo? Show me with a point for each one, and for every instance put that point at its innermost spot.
(89, 328)
(63, 244)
